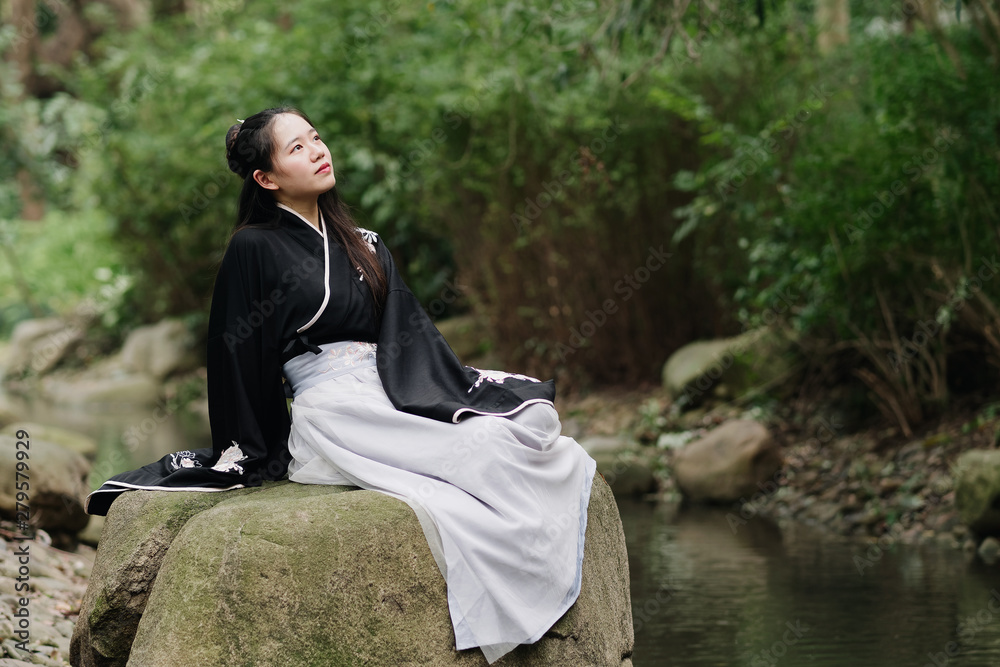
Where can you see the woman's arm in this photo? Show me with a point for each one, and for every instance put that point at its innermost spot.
(246, 399)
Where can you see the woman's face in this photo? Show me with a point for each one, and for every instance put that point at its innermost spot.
(301, 169)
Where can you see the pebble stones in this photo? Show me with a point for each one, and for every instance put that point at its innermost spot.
(56, 581)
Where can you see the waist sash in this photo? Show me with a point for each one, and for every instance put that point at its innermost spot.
(309, 369)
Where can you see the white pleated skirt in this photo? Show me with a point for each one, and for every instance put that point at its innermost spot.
(502, 500)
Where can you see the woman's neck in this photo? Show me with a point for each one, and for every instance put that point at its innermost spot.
(308, 210)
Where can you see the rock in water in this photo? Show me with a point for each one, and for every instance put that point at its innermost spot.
(159, 349)
(977, 490)
(735, 460)
(989, 550)
(57, 484)
(292, 574)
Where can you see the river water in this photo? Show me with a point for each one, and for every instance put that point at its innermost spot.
(709, 594)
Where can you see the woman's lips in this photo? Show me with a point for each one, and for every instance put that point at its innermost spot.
(325, 169)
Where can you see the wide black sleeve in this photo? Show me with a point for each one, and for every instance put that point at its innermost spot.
(246, 399)
(421, 373)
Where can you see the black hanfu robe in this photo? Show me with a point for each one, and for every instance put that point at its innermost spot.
(281, 292)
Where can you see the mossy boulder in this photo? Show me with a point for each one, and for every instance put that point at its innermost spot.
(293, 574)
(977, 490)
(143, 525)
(729, 367)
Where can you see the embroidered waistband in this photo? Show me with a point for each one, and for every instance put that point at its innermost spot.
(309, 369)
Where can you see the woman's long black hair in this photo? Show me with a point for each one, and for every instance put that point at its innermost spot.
(249, 147)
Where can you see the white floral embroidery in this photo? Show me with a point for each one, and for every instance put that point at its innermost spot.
(352, 355)
(369, 236)
(498, 377)
(184, 459)
(229, 461)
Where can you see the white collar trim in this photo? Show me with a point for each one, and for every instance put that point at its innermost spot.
(321, 231)
(326, 264)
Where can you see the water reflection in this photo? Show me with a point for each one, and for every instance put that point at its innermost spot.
(706, 591)
(127, 436)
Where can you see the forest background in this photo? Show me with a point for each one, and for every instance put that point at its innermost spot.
(598, 181)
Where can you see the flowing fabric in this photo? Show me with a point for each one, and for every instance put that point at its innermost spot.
(501, 500)
(500, 494)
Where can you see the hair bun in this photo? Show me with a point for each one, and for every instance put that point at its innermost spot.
(231, 155)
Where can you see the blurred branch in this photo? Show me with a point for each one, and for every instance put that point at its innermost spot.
(991, 16)
(680, 6)
(929, 18)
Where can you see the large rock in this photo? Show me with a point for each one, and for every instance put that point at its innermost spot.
(699, 364)
(730, 462)
(37, 346)
(629, 472)
(977, 490)
(292, 574)
(159, 349)
(728, 367)
(84, 390)
(56, 481)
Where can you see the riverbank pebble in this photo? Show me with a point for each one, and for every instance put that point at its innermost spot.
(869, 485)
(56, 581)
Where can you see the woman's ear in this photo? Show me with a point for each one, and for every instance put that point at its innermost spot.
(264, 181)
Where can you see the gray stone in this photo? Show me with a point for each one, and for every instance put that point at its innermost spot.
(143, 523)
(57, 484)
(7, 412)
(700, 360)
(629, 472)
(728, 367)
(159, 349)
(733, 461)
(603, 443)
(37, 346)
(989, 550)
(108, 391)
(294, 574)
(977, 490)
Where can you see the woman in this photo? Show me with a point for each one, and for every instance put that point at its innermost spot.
(380, 400)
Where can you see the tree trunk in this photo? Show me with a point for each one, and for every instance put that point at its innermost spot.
(832, 20)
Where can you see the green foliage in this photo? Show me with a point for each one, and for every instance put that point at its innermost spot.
(513, 162)
(538, 156)
(56, 263)
(858, 191)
